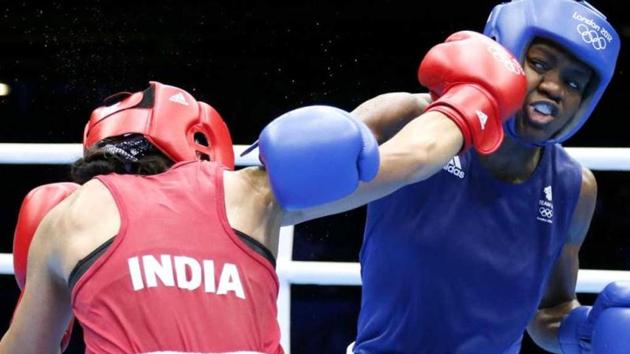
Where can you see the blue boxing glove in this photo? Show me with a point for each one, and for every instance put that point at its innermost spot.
(589, 329)
(317, 154)
(611, 332)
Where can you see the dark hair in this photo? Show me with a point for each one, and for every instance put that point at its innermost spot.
(97, 161)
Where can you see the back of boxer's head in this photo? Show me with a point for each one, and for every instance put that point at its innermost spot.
(148, 131)
(129, 154)
(170, 118)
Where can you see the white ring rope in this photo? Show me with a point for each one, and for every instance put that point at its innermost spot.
(54, 154)
(318, 273)
(602, 159)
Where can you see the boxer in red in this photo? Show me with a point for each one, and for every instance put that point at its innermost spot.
(159, 251)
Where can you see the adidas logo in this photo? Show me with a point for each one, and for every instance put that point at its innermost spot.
(178, 98)
(454, 167)
(483, 118)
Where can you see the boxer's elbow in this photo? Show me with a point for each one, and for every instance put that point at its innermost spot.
(387, 113)
(543, 328)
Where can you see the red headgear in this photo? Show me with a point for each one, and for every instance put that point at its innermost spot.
(169, 118)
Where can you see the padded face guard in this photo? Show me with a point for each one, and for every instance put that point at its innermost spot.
(576, 26)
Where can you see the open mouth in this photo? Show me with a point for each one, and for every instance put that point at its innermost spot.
(541, 112)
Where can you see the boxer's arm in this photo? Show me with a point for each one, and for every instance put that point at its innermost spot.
(477, 92)
(559, 298)
(44, 312)
(420, 149)
(386, 114)
(37, 203)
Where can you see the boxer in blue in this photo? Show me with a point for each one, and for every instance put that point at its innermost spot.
(467, 260)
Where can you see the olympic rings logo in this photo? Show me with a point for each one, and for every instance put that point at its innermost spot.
(592, 37)
(510, 63)
(545, 212)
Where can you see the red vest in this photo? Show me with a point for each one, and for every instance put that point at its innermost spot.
(176, 277)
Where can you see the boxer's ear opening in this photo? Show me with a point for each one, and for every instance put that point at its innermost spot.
(201, 139)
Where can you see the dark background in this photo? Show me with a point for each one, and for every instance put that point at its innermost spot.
(253, 61)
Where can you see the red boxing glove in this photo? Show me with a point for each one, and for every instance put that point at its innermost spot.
(475, 82)
(35, 206)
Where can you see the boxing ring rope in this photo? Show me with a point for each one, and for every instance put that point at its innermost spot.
(318, 273)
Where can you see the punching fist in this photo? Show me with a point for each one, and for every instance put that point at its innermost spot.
(35, 206)
(317, 154)
(475, 82)
(602, 328)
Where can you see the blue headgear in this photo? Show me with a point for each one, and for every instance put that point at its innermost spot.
(575, 25)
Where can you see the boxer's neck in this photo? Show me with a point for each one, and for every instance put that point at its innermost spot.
(512, 162)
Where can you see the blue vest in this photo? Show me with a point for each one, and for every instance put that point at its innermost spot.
(458, 263)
